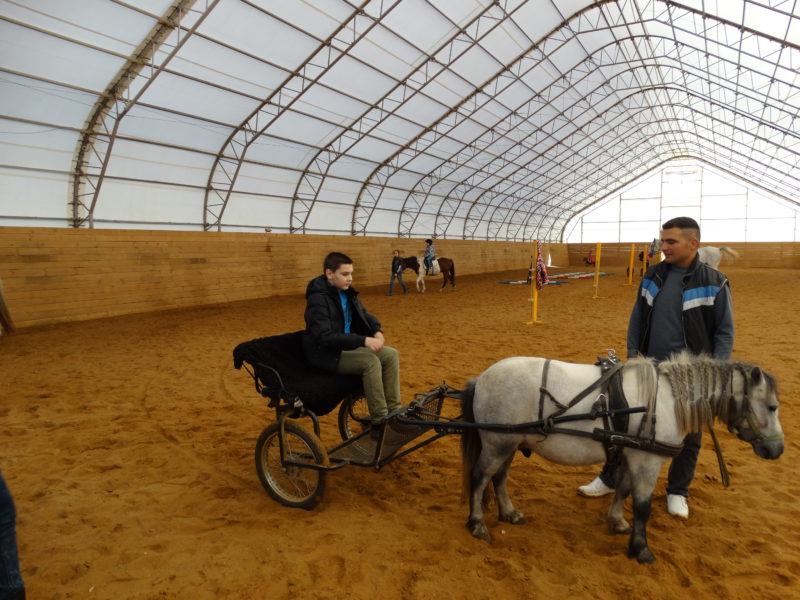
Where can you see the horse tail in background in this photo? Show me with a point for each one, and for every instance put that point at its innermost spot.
(453, 272)
(730, 251)
(470, 442)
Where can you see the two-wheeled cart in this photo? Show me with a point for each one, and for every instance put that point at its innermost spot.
(291, 460)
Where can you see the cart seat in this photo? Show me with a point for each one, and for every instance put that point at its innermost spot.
(320, 391)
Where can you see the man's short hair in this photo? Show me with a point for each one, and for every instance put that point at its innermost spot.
(334, 260)
(686, 224)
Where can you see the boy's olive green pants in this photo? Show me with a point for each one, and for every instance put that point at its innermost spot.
(380, 372)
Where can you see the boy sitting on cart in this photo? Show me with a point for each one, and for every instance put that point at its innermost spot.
(342, 337)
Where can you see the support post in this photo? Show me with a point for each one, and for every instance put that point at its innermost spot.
(597, 270)
(630, 265)
(534, 299)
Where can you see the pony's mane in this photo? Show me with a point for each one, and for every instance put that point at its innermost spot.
(646, 378)
(698, 384)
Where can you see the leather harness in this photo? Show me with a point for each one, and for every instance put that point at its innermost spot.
(612, 406)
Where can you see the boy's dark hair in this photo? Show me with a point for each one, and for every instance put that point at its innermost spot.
(334, 260)
(429, 241)
(686, 224)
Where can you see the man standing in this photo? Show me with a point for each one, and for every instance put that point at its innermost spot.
(397, 273)
(342, 337)
(682, 304)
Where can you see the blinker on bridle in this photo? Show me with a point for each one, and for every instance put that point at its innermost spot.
(746, 414)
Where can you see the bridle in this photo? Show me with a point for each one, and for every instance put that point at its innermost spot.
(746, 413)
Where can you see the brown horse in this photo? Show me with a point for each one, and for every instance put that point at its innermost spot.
(445, 265)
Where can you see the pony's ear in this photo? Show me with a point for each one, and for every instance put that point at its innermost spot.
(756, 374)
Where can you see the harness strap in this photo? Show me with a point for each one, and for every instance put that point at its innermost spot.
(630, 441)
(544, 393)
(562, 408)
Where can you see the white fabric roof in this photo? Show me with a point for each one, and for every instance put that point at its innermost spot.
(455, 118)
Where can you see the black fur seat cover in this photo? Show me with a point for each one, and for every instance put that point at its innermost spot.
(319, 390)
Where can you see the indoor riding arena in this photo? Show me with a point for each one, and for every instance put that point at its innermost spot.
(174, 173)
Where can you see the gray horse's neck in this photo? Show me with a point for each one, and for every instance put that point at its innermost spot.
(702, 388)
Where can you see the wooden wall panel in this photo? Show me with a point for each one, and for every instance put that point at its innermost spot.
(55, 275)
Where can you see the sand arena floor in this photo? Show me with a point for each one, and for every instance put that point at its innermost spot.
(128, 445)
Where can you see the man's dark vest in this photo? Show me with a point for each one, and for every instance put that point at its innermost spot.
(701, 284)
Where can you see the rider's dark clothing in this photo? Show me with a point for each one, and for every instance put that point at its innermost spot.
(397, 273)
(325, 337)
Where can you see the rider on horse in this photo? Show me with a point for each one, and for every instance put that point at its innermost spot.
(428, 256)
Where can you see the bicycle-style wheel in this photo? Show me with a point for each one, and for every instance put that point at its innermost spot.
(291, 485)
(353, 416)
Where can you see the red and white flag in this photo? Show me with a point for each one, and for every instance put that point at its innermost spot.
(541, 269)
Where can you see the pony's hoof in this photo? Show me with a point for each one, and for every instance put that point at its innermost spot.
(478, 529)
(644, 557)
(621, 526)
(515, 518)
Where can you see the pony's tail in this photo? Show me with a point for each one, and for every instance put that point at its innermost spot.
(470, 440)
(730, 251)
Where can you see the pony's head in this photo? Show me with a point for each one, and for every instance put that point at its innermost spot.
(754, 416)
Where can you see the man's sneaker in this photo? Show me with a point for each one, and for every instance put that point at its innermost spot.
(677, 506)
(595, 489)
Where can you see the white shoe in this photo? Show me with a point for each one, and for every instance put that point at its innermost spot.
(595, 489)
(677, 506)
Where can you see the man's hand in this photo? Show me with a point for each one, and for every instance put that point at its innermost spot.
(375, 343)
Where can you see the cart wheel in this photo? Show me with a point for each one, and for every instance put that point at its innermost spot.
(353, 416)
(292, 486)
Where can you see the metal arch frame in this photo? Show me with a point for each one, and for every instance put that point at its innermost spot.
(471, 150)
(462, 157)
(101, 128)
(720, 108)
(647, 38)
(231, 156)
(591, 187)
(769, 142)
(763, 84)
(621, 113)
(620, 139)
(593, 92)
(694, 157)
(186, 76)
(376, 114)
(428, 137)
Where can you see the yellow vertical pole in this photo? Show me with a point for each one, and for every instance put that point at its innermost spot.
(597, 270)
(630, 265)
(534, 299)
